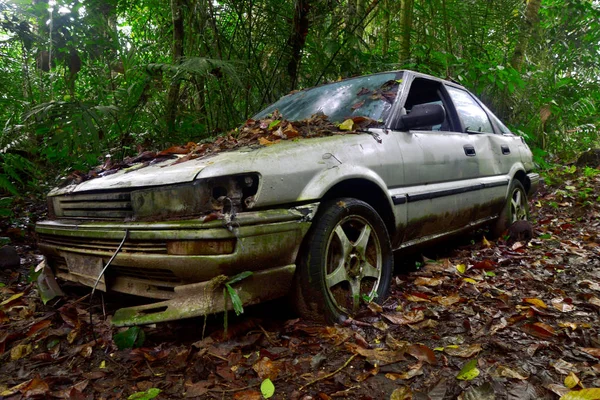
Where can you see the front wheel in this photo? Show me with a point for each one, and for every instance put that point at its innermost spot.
(346, 260)
(515, 209)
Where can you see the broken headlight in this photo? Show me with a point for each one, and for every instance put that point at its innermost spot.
(226, 194)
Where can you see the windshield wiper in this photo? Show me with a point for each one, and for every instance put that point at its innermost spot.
(374, 134)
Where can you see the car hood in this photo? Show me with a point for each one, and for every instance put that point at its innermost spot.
(165, 172)
(290, 170)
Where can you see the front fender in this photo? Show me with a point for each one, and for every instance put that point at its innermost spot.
(322, 182)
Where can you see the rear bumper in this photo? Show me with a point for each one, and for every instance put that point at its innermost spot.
(162, 260)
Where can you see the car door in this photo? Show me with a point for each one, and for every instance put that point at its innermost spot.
(442, 169)
(500, 149)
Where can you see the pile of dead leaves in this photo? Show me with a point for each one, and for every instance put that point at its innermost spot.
(263, 132)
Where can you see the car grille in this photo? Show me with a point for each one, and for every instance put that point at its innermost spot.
(106, 206)
(104, 245)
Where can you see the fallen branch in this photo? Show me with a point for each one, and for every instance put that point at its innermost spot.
(330, 374)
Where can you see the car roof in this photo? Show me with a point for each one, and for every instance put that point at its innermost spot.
(404, 71)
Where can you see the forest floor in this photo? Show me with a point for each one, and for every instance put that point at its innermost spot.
(474, 320)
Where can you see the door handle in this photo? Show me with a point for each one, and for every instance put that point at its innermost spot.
(469, 150)
(505, 149)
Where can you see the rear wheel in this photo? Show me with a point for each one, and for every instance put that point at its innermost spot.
(515, 209)
(346, 260)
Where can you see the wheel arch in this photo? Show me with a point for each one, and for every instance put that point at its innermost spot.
(369, 192)
(521, 176)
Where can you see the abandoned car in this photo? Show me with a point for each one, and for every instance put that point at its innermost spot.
(318, 217)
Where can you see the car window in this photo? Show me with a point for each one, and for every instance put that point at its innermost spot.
(501, 127)
(472, 115)
(425, 91)
(369, 96)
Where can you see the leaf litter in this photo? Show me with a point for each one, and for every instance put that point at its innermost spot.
(531, 330)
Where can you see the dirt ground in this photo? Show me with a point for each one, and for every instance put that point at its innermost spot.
(469, 319)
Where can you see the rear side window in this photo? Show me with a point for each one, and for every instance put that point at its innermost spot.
(472, 115)
(499, 125)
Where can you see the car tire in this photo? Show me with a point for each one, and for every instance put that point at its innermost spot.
(346, 258)
(515, 208)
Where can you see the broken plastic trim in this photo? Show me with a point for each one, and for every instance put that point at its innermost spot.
(205, 298)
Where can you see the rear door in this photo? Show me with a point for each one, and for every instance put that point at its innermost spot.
(499, 148)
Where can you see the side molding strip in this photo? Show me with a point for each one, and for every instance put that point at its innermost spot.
(408, 198)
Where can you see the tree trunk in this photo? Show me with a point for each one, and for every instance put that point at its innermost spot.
(361, 9)
(406, 19)
(531, 20)
(173, 96)
(297, 39)
(386, 27)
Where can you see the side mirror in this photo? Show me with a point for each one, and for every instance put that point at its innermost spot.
(423, 115)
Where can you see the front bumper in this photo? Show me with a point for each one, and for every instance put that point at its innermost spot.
(264, 242)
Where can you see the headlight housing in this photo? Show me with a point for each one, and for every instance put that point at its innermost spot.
(227, 194)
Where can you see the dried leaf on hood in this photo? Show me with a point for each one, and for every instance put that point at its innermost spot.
(177, 149)
(347, 125)
(265, 141)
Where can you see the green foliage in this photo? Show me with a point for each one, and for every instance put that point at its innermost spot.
(238, 307)
(146, 395)
(129, 339)
(267, 388)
